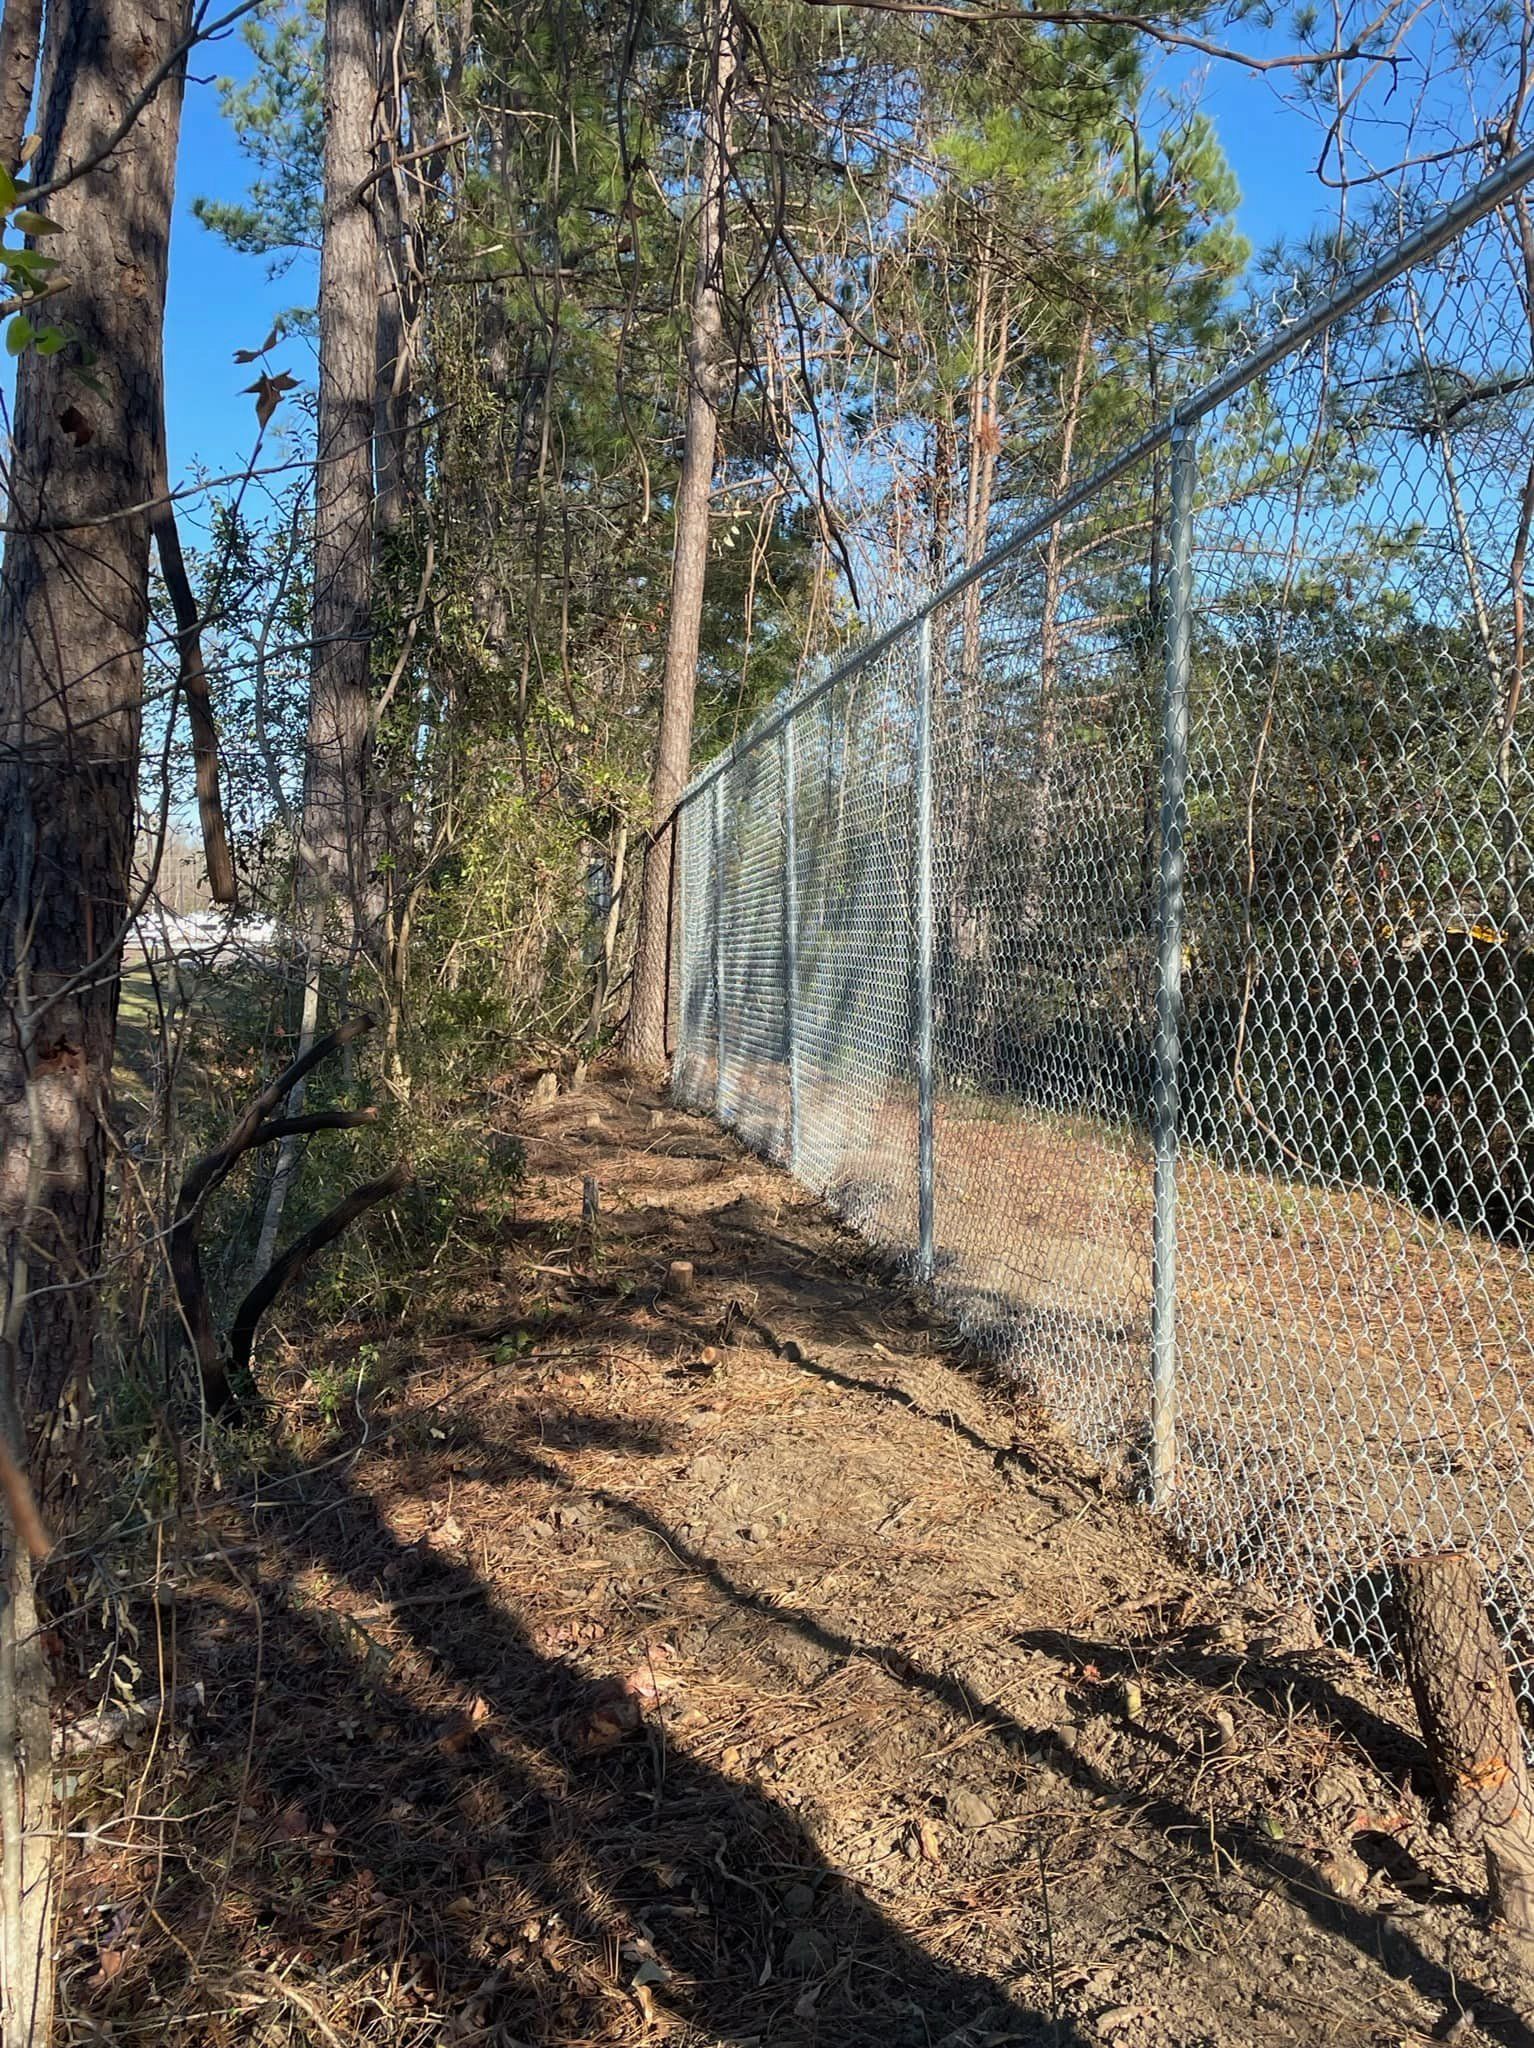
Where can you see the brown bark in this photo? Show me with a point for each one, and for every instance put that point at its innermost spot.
(1047, 735)
(334, 859)
(194, 687)
(645, 1035)
(604, 967)
(73, 616)
(247, 1317)
(1458, 1679)
(20, 27)
(259, 1125)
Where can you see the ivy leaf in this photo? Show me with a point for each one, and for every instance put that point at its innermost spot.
(269, 394)
(8, 194)
(32, 223)
(51, 340)
(19, 335)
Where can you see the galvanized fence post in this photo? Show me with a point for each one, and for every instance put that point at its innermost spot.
(1174, 816)
(791, 938)
(719, 947)
(925, 1161)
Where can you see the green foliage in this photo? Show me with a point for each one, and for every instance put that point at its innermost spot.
(31, 276)
(277, 118)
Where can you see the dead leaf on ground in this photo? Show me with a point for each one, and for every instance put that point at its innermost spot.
(109, 1967)
(607, 1723)
(455, 1734)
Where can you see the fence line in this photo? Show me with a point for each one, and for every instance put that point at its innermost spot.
(1137, 936)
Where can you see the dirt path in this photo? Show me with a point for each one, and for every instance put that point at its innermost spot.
(741, 1670)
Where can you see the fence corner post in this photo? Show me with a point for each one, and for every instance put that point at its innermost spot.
(719, 946)
(791, 939)
(1168, 1046)
(925, 1143)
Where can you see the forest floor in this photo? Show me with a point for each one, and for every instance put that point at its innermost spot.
(736, 1668)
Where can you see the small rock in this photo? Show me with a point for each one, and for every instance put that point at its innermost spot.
(1346, 1873)
(968, 1809)
(1112, 2022)
(799, 1902)
(793, 1351)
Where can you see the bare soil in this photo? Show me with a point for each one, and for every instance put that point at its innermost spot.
(738, 1668)
(1354, 1374)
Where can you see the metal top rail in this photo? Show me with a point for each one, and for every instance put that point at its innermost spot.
(1418, 247)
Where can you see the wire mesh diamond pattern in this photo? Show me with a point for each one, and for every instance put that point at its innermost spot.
(1332, 912)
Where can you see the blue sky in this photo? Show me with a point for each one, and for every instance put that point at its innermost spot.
(221, 301)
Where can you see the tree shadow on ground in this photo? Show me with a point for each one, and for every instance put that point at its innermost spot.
(496, 1867)
(1380, 1937)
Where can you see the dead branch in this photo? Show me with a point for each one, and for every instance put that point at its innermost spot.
(119, 1723)
(291, 1263)
(194, 684)
(21, 1504)
(258, 1126)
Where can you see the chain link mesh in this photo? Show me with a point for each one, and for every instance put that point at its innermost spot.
(1355, 1073)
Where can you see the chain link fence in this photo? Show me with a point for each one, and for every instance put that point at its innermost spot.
(1139, 938)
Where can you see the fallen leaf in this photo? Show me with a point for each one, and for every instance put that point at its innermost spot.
(455, 1735)
(109, 1966)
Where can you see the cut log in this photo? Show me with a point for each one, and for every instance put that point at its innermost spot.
(679, 1279)
(1458, 1679)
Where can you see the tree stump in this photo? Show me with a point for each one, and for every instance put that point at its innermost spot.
(1459, 1681)
(679, 1279)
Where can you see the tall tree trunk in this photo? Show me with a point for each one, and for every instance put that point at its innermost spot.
(1046, 743)
(645, 1036)
(334, 850)
(20, 27)
(74, 606)
(335, 842)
